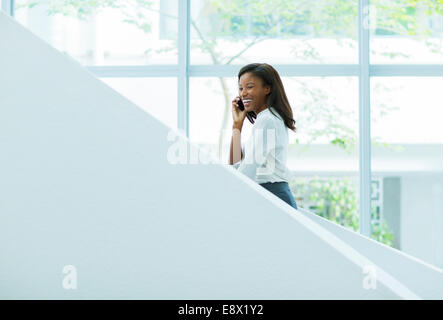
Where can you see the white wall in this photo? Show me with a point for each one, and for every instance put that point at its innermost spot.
(85, 181)
(425, 279)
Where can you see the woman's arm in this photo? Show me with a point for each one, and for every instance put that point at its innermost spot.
(238, 117)
(236, 153)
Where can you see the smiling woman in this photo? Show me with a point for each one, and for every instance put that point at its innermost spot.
(264, 157)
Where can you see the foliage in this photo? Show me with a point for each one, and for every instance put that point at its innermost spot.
(406, 17)
(336, 200)
(280, 18)
(381, 233)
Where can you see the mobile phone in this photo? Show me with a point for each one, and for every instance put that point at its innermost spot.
(250, 115)
(241, 106)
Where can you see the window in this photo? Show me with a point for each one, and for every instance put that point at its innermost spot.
(363, 78)
(407, 156)
(106, 32)
(407, 31)
(238, 32)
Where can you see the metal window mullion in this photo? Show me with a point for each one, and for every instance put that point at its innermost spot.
(183, 66)
(294, 70)
(406, 70)
(134, 71)
(364, 119)
(297, 70)
(8, 6)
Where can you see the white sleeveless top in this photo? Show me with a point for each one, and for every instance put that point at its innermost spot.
(265, 152)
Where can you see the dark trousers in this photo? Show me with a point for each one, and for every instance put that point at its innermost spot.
(281, 190)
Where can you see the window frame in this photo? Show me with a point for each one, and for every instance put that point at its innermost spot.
(183, 71)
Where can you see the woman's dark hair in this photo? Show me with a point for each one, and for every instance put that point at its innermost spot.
(277, 98)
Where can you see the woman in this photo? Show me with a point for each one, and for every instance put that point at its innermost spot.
(263, 158)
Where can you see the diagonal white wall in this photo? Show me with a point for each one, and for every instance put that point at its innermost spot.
(85, 181)
(424, 279)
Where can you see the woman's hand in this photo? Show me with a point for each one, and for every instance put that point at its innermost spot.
(238, 116)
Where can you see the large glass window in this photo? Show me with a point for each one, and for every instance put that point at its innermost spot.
(275, 31)
(407, 31)
(134, 46)
(407, 162)
(106, 32)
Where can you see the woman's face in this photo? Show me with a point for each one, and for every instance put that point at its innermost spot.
(252, 92)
